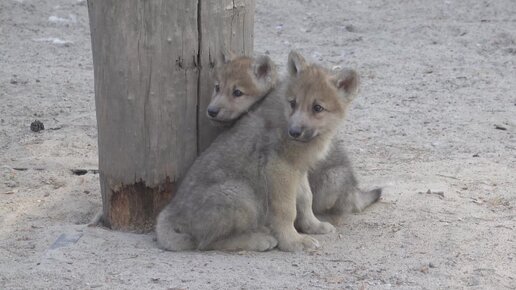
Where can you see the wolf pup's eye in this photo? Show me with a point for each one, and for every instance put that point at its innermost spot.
(217, 88)
(292, 104)
(318, 108)
(237, 93)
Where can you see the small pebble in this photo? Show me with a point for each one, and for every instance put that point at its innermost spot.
(11, 184)
(37, 126)
(350, 28)
(500, 127)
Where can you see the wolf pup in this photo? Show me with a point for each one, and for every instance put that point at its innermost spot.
(241, 193)
(332, 181)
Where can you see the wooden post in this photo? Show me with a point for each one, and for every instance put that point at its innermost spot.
(153, 62)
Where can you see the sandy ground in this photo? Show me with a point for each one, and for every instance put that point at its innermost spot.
(437, 78)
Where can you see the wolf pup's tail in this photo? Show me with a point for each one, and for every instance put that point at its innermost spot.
(363, 199)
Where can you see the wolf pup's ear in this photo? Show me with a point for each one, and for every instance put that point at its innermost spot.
(262, 66)
(347, 82)
(296, 63)
(264, 71)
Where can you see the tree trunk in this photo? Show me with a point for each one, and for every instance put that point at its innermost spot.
(153, 62)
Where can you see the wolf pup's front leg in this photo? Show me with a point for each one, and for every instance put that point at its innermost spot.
(283, 187)
(306, 221)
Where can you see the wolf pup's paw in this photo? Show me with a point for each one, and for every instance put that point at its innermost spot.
(264, 243)
(322, 228)
(317, 227)
(303, 243)
(310, 243)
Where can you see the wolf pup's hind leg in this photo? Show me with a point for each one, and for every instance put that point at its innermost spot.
(169, 239)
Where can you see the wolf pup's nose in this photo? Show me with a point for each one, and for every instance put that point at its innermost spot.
(213, 112)
(294, 132)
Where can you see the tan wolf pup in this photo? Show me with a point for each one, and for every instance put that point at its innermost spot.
(241, 193)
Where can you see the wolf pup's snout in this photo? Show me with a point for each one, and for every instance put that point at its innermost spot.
(301, 133)
(213, 112)
(295, 132)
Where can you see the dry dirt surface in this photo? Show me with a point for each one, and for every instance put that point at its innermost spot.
(435, 125)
